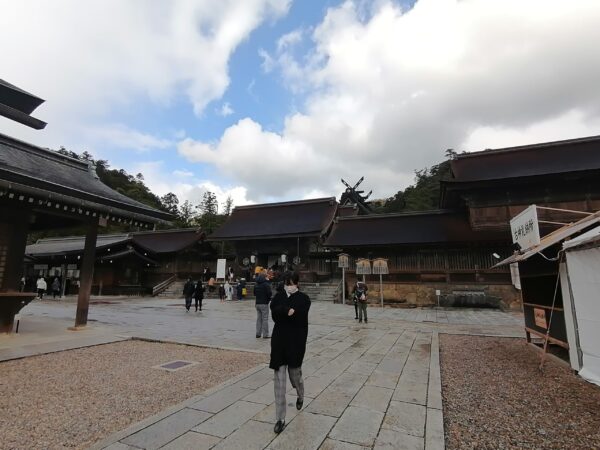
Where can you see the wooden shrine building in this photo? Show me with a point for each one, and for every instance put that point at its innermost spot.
(41, 189)
(261, 234)
(126, 264)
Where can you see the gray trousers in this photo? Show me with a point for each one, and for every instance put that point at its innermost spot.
(262, 320)
(362, 309)
(295, 374)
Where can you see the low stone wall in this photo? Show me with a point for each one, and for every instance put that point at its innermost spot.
(423, 294)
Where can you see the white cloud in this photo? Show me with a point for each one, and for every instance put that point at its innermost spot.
(390, 90)
(89, 58)
(183, 173)
(225, 110)
(121, 136)
(162, 182)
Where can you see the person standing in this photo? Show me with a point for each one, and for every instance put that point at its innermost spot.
(238, 290)
(262, 292)
(228, 290)
(198, 295)
(56, 288)
(289, 310)
(188, 292)
(222, 293)
(22, 284)
(360, 300)
(41, 286)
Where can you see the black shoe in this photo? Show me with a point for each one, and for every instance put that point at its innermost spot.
(257, 336)
(356, 318)
(279, 426)
(299, 403)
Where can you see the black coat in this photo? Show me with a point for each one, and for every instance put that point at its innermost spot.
(262, 291)
(199, 291)
(288, 340)
(188, 289)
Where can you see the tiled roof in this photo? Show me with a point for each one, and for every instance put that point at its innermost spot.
(272, 220)
(431, 227)
(29, 166)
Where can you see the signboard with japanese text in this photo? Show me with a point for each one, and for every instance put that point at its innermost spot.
(525, 229)
(221, 268)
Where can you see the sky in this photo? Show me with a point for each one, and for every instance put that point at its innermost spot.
(274, 100)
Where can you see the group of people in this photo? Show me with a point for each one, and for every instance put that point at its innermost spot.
(193, 290)
(42, 286)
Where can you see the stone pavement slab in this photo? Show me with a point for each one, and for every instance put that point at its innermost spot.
(373, 397)
(192, 441)
(229, 420)
(166, 430)
(405, 417)
(395, 440)
(331, 444)
(252, 435)
(306, 432)
(358, 426)
(221, 399)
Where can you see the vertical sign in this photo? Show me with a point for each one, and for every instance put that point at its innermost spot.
(525, 229)
(221, 268)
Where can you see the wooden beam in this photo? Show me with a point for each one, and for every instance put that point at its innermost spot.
(86, 275)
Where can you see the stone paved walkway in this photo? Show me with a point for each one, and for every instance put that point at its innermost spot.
(368, 386)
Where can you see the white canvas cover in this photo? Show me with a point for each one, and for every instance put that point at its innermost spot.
(584, 276)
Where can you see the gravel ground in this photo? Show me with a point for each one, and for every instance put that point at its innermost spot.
(496, 398)
(74, 398)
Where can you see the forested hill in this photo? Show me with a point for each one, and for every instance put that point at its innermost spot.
(119, 180)
(424, 195)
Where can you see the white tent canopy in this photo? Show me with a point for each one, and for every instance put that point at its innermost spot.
(582, 276)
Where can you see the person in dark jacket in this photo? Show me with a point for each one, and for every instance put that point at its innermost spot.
(188, 292)
(359, 294)
(262, 292)
(288, 343)
(198, 295)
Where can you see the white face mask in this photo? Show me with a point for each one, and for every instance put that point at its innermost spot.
(289, 290)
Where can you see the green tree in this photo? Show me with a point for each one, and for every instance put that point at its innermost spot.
(228, 206)
(170, 203)
(424, 194)
(186, 217)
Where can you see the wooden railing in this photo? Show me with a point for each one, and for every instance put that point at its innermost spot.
(163, 285)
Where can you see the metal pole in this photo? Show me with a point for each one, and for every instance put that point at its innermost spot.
(343, 285)
(381, 289)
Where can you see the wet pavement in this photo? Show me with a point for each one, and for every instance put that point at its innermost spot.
(367, 386)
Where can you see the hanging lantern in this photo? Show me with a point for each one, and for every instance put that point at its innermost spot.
(363, 266)
(343, 261)
(380, 266)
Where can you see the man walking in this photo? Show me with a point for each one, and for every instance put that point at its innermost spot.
(262, 292)
(288, 344)
(188, 292)
(198, 295)
(41, 286)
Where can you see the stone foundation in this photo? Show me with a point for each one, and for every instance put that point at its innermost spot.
(423, 294)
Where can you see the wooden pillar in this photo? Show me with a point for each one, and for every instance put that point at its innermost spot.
(86, 275)
(12, 249)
